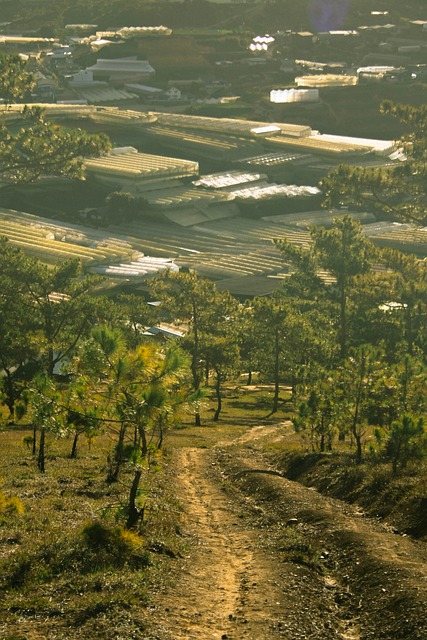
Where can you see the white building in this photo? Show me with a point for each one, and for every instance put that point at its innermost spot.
(281, 96)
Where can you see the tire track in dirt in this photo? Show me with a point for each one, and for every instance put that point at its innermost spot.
(225, 589)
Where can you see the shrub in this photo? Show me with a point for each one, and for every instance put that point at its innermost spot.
(113, 546)
(11, 505)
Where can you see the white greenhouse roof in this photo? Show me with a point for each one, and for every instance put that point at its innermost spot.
(270, 128)
(276, 190)
(381, 147)
(143, 266)
(272, 159)
(140, 166)
(318, 144)
(227, 125)
(186, 196)
(124, 65)
(228, 179)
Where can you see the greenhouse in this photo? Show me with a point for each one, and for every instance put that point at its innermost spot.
(231, 126)
(141, 267)
(228, 179)
(285, 96)
(270, 191)
(326, 80)
(186, 196)
(125, 165)
(319, 145)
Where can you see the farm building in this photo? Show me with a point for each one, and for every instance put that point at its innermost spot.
(326, 80)
(125, 167)
(284, 96)
(122, 70)
(381, 74)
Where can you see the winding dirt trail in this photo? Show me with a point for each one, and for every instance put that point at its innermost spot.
(225, 583)
(247, 576)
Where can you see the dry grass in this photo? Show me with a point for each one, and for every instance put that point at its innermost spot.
(67, 566)
(68, 569)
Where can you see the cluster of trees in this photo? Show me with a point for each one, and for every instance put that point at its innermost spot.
(352, 346)
(74, 363)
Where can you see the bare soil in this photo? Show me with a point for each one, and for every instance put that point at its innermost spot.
(269, 558)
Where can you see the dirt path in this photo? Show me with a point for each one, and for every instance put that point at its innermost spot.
(271, 559)
(225, 583)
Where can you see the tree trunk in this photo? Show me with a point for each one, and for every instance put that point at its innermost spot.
(73, 453)
(113, 474)
(218, 396)
(195, 359)
(34, 439)
(343, 323)
(276, 371)
(10, 393)
(249, 380)
(409, 330)
(143, 436)
(41, 456)
(294, 387)
(358, 439)
(160, 441)
(134, 514)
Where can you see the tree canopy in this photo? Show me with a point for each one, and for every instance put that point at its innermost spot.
(32, 146)
(398, 191)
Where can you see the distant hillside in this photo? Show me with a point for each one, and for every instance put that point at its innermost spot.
(261, 15)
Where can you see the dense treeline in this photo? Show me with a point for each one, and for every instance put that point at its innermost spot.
(351, 345)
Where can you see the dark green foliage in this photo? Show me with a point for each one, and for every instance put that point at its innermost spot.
(398, 192)
(15, 80)
(407, 441)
